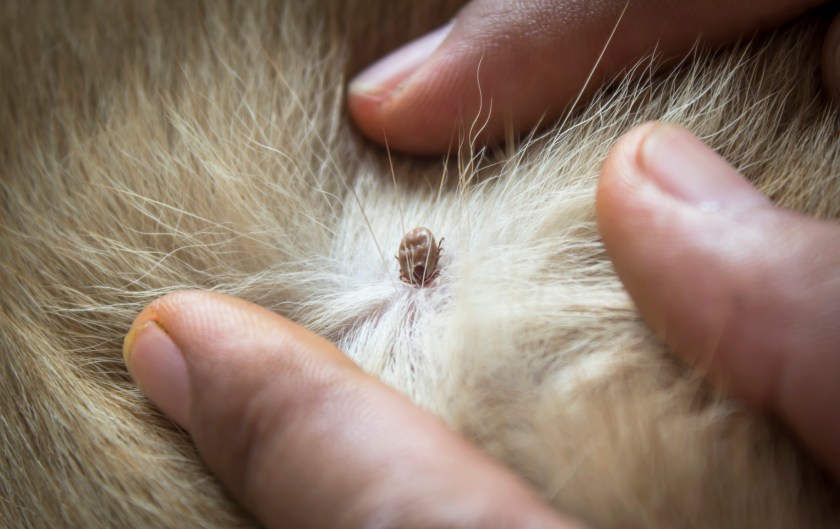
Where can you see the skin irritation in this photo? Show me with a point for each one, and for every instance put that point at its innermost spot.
(418, 256)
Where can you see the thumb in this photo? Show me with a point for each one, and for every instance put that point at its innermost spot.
(747, 292)
(515, 63)
(302, 437)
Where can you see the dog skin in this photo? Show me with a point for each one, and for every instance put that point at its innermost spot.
(154, 147)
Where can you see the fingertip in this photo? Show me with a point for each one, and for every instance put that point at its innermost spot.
(629, 206)
(157, 366)
(365, 112)
(194, 340)
(621, 175)
(150, 316)
(398, 100)
(423, 117)
(155, 358)
(385, 76)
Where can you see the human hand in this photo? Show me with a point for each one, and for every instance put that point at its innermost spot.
(525, 61)
(747, 292)
(301, 437)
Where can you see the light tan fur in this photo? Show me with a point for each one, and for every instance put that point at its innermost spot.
(149, 147)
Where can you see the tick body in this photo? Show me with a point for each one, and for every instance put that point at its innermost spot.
(418, 256)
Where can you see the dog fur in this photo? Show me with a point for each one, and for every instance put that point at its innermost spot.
(150, 147)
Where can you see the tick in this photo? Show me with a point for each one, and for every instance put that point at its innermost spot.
(418, 256)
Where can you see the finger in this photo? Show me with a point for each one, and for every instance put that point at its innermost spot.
(301, 436)
(524, 61)
(746, 292)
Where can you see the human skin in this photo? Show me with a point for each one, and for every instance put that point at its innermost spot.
(525, 62)
(268, 403)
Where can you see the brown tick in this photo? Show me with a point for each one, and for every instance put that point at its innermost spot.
(418, 256)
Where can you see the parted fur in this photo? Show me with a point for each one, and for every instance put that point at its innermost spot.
(149, 147)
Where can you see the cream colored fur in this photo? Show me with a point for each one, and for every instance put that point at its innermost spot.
(149, 147)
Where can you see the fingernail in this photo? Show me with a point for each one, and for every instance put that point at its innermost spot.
(684, 167)
(158, 368)
(383, 76)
